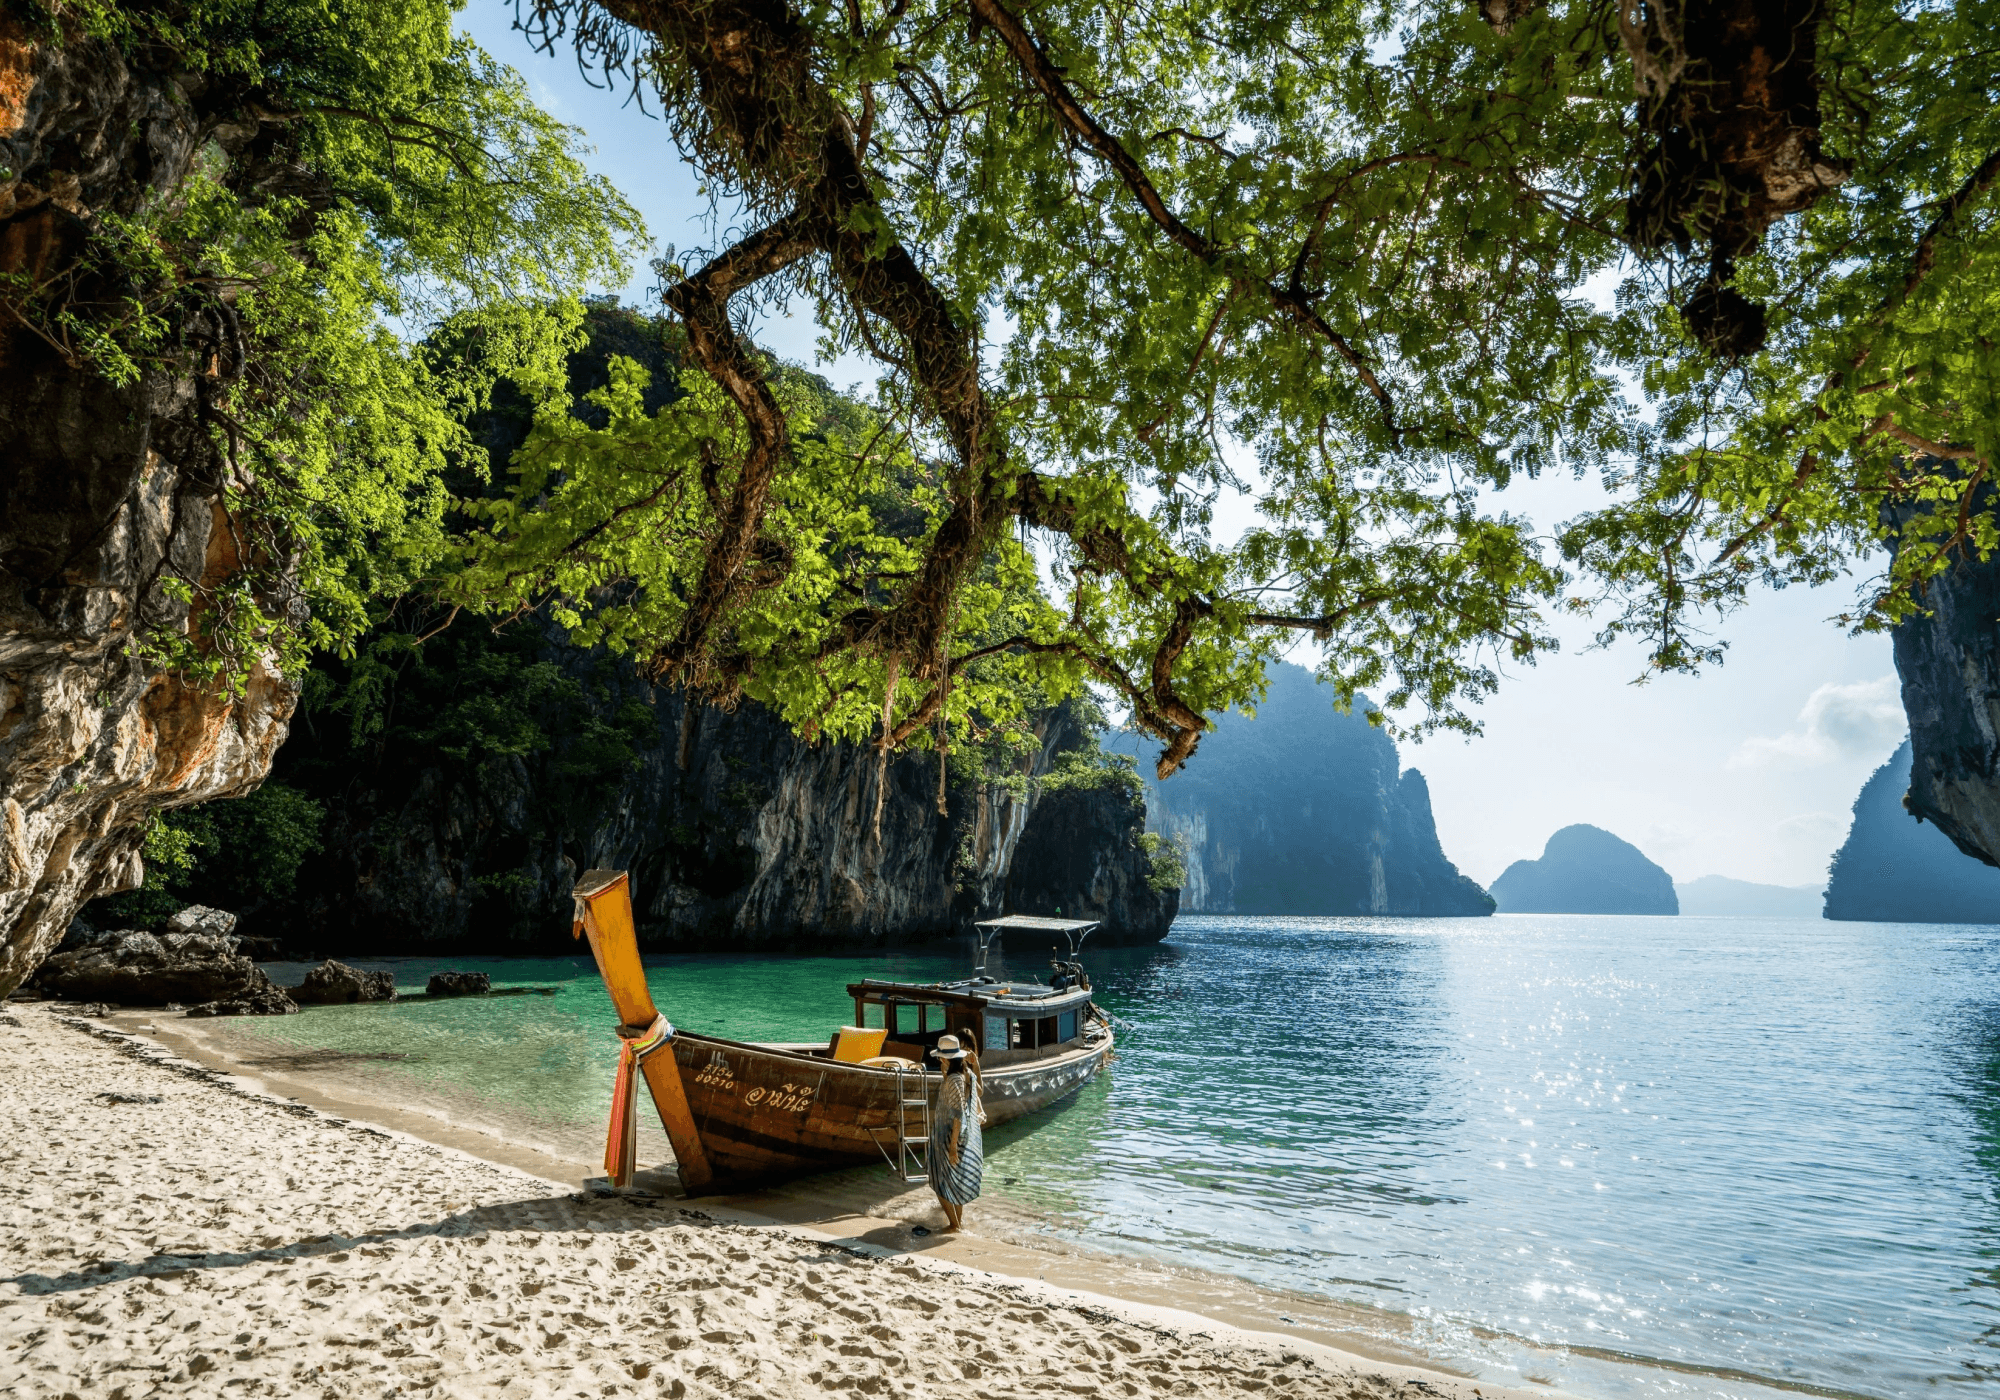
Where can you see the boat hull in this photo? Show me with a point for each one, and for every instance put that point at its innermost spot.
(767, 1113)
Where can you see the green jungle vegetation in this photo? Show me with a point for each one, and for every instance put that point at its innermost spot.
(1737, 261)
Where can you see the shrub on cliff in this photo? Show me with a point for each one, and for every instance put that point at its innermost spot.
(235, 854)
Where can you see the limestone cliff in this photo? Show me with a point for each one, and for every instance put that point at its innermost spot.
(1304, 810)
(1894, 868)
(737, 833)
(106, 500)
(1949, 662)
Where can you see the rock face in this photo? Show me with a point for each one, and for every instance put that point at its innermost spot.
(193, 960)
(1718, 895)
(1304, 810)
(738, 834)
(1897, 869)
(105, 491)
(336, 984)
(1586, 870)
(1949, 663)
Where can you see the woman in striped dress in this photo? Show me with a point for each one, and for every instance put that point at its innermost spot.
(958, 1155)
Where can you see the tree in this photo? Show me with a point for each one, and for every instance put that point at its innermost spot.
(1096, 247)
(222, 224)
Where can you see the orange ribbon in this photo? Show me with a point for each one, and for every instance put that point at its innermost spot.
(621, 1143)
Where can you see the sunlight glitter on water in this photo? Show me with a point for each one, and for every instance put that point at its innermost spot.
(1770, 1149)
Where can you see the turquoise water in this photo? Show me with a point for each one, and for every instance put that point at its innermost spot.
(1754, 1150)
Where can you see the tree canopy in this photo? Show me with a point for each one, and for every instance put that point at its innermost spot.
(1735, 257)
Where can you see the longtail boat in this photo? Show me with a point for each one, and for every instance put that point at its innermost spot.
(740, 1114)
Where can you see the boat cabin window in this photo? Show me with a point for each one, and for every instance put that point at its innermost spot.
(1030, 1033)
(906, 1021)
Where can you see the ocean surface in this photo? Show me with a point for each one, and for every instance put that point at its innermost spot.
(1739, 1153)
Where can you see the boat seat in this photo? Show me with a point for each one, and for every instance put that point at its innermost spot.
(854, 1044)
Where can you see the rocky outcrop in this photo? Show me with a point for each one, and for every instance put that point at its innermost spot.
(459, 984)
(1896, 868)
(1586, 870)
(738, 834)
(192, 960)
(1949, 660)
(336, 984)
(107, 506)
(1304, 810)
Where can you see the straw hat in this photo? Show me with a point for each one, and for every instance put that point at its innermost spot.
(948, 1048)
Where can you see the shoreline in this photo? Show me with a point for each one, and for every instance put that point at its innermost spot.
(833, 1211)
(854, 1211)
(158, 1205)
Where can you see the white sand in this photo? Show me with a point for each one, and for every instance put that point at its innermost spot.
(220, 1242)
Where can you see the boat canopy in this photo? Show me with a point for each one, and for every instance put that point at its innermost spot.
(1034, 923)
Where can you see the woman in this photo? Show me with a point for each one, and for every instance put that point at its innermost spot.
(957, 1155)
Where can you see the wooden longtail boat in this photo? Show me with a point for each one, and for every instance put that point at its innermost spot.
(741, 1114)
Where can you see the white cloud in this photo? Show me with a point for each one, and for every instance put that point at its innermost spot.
(1864, 719)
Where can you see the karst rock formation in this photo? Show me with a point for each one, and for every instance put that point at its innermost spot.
(107, 496)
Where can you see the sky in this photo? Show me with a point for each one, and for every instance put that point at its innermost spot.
(1749, 770)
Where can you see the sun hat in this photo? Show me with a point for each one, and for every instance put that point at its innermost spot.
(948, 1048)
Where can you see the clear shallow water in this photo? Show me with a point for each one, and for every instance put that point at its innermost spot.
(1752, 1149)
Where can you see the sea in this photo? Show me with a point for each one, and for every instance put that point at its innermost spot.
(1626, 1156)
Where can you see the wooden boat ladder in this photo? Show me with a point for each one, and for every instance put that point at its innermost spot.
(913, 1150)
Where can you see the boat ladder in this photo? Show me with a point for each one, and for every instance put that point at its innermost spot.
(912, 1160)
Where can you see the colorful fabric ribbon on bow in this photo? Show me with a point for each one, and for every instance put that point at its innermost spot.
(621, 1144)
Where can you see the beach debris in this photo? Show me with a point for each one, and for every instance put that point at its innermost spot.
(335, 983)
(192, 960)
(458, 984)
(114, 1096)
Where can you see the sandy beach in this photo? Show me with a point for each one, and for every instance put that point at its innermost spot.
(167, 1229)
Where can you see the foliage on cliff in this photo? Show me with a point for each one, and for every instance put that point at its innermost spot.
(236, 854)
(364, 173)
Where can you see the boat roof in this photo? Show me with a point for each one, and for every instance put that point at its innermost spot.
(1037, 923)
(980, 989)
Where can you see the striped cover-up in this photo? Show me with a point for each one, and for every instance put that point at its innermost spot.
(957, 1102)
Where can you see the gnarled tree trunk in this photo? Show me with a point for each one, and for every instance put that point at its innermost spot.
(106, 490)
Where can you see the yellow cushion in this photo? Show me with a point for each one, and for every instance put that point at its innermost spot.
(853, 1044)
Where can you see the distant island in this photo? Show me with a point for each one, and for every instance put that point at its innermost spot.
(1718, 895)
(1586, 870)
(1894, 869)
(1304, 810)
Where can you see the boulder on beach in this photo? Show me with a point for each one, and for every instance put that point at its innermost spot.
(458, 984)
(336, 984)
(192, 960)
(267, 1000)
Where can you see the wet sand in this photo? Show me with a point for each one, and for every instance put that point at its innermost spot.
(170, 1225)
